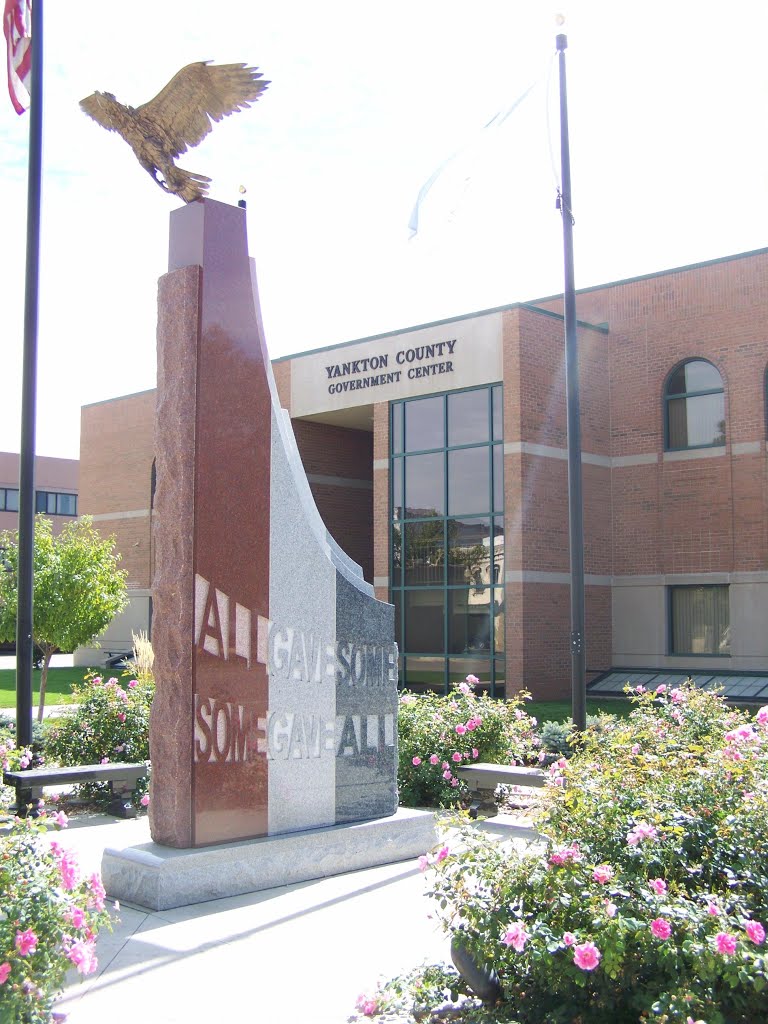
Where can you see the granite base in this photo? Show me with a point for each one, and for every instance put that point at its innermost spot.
(160, 878)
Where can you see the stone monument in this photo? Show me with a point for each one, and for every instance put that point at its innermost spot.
(274, 720)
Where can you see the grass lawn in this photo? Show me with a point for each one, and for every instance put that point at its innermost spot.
(57, 690)
(559, 710)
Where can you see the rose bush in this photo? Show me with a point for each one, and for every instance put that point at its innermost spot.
(438, 733)
(49, 919)
(110, 722)
(650, 898)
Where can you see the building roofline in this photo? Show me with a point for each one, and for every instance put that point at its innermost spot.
(118, 398)
(658, 273)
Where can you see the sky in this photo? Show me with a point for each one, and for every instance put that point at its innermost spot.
(669, 164)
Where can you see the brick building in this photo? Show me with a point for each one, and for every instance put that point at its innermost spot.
(437, 456)
(56, 490)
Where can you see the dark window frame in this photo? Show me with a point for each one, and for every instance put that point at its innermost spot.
(398, 452)
(4, 492)
(684, 396)
(56, 495)
(671, 625)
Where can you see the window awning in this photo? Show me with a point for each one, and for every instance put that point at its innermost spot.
(740, 687)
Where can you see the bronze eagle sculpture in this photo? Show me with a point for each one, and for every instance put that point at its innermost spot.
(178, 118)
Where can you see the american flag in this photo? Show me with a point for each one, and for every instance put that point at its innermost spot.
(17, 25)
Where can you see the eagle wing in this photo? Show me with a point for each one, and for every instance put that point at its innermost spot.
(196, 95)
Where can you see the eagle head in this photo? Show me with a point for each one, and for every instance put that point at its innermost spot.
(101, 106)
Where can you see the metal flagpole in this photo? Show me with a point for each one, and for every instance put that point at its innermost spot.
(575, 518)
(24, 648)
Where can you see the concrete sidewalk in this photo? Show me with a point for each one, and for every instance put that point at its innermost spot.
(300, 953)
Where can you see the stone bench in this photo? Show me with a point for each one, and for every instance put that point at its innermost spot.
(482, 780)
(122, 779)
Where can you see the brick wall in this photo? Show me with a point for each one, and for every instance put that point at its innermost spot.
(339, 466)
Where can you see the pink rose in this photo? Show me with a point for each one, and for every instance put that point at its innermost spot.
(456, 756)
(69, 869)
(133, 684)
(367, 1005)
(121, 716)
(640, 832)
(441, 854)
(472, 724)
(434, 759)
(423, 862)
(473, 680)
(660, 928)
(658, 885)
(712, 910)
(83, 956)
(76, 917)
(416, 762)
(725, 943)
(145, 800)
(568, 938)
(461, 729)
(26, 942)
(755, 931)
(515, 936)
(5, 970)
(603, 873)
(610, 908)
(475, 752)
(60, 819)
(447, 774)
(762, 715)
(586, 956)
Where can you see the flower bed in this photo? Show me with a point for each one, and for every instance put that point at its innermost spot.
(437, 734)
(48, 922)
(651, 899)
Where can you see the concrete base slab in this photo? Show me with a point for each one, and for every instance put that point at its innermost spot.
(160, 878)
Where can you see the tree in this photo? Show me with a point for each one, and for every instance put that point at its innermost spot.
(78, 588)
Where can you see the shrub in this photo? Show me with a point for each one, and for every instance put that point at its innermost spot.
(48, 923)
(652, 897)
(110, 722)
(437, 733)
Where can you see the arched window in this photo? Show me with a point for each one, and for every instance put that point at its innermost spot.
(694, 407)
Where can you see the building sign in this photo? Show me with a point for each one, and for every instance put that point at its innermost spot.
(439, 358)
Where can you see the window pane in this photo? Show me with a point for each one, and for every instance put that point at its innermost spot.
(424, 424)
(500, 686)
(397, 555)
(468, 417)
(396, 601)
(696, 421)
(41, 501)
(498, 478)
(422, 674)
(397, 428)
(424, 621)
(469, 545)
(424, 485)
(468, 481)
(469, 621)
(696, 375)
(498, 414)
(498, 551)
(497, 612)
(11, 500)
(66, 504)
(398, 510)
(425, 554)
(473, 665)
(700, 620)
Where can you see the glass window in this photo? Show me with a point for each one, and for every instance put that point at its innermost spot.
(424, 621)
(469, 620)
(54, 504)
(469, 551)
(695, 407)
(424, 424)
(9, 499)
(700, 620)
(447, 539)
(424, 485)
(468, 417)
(469, 481)
(425, 554)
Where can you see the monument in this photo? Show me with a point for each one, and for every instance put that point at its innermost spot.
(273, 734)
